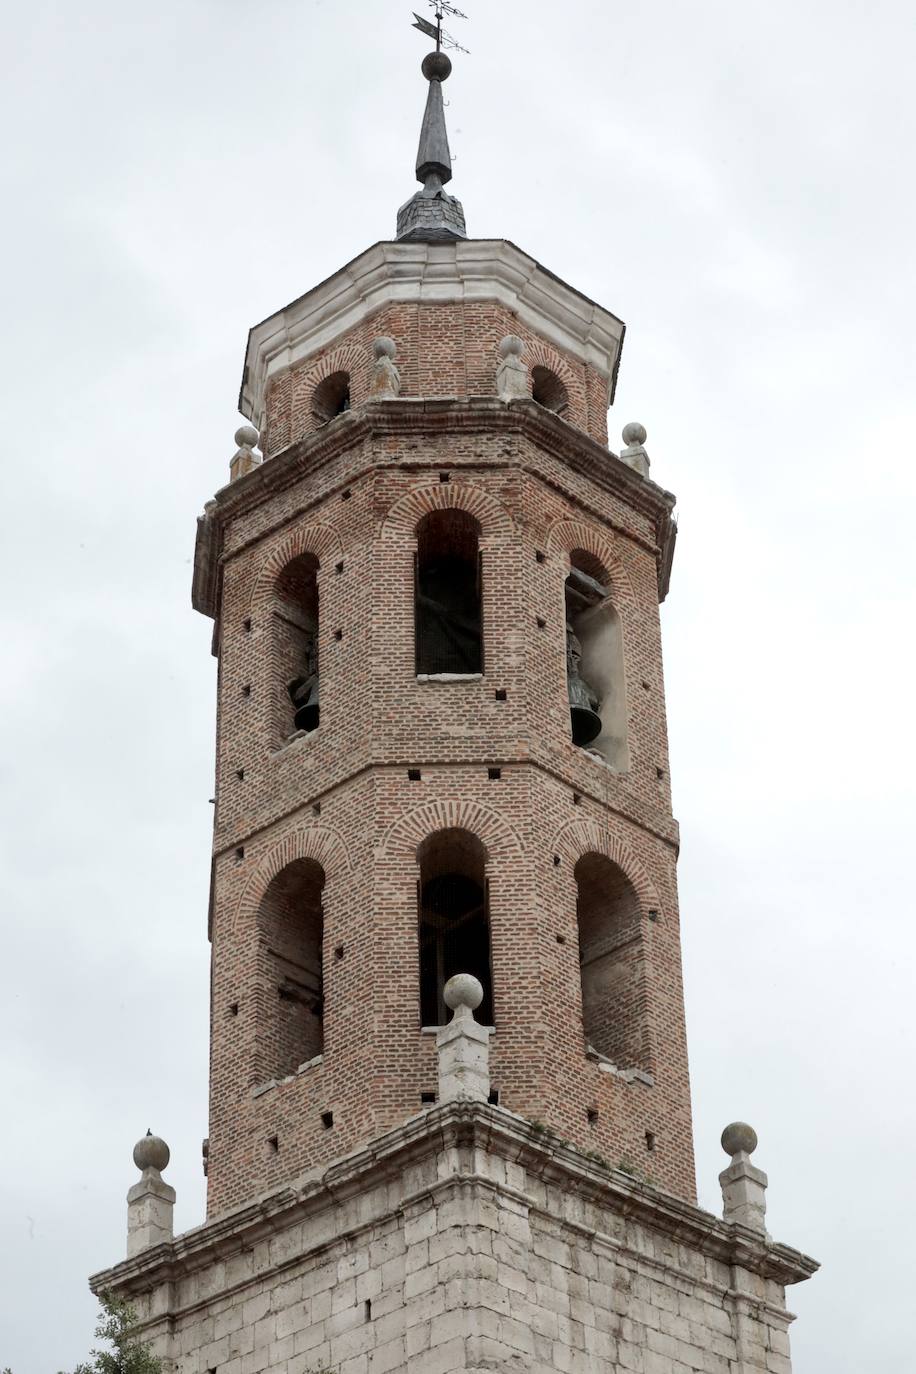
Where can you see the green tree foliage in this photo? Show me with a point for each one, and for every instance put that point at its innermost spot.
(118, 1326)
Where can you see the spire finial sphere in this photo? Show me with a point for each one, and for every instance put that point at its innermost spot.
(246, 436)
(511, 346)
(739, 1138)
(436, 66)
(464, 990)
(634, 433)
(151, 1152)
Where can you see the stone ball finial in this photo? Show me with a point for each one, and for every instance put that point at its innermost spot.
(511, 346)
(383, 347)
(151, 1152)
(436, 66)
(739, 1138)
(633, 434)
(464, 990)
(246, 436)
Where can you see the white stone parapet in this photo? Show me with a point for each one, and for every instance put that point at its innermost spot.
(462, 1240)
(463, 1045)
(151, 1202)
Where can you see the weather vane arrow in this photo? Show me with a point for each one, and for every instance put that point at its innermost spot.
(440, 9)
(431, 30)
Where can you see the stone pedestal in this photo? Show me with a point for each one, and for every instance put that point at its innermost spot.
(463, 1046)
(151, 1202)
(744, 1186)
(150, 1208)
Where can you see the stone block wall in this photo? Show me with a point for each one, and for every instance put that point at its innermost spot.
(465, 1241)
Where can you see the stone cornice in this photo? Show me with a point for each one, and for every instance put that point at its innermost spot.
(432, 416)
(463, 1127)
(466, 270)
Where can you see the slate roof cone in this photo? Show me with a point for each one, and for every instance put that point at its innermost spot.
(432, 214)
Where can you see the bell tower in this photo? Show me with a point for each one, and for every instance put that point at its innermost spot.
(449, 1100)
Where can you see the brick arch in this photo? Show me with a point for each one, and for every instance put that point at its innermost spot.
(404, 836)
(348, 358)
(539, 354)
(577, 838)
(401, 520)
(318, 842)
(321, 540)
(566, 535)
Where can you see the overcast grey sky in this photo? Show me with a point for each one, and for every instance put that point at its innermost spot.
(736, 182)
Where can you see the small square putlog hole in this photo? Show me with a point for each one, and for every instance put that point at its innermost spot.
(327, 1120)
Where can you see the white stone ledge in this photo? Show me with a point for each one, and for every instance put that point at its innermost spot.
(465, 1131)
(295, 738)
(632, 1075)
(434, 1030)
(449, 677)
(263, 1088)
(467, 270)
(628, 1075)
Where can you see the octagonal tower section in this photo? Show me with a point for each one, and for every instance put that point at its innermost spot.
(395, 590)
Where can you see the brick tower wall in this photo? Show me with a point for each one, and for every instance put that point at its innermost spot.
(352, 496)
(446, 349)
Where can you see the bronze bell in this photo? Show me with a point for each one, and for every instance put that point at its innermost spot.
(303, 693)
(586, 723)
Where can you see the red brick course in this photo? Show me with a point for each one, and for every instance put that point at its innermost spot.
(352, 495)
(447, 349)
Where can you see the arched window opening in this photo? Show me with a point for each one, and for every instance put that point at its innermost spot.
(611, 962)
(291, 935)
(448, 587)
(296, 628)
(331, 397)
(454, 921)
(596, 680)
(548, 390)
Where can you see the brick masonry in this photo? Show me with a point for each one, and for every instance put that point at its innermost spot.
(444, 349)
(352, 495)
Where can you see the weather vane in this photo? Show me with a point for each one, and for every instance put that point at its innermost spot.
(443, 39)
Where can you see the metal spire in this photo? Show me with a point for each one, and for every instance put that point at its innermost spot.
(434, 161)
(432, 214)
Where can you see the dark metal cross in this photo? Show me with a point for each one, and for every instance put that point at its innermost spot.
(443, 39)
